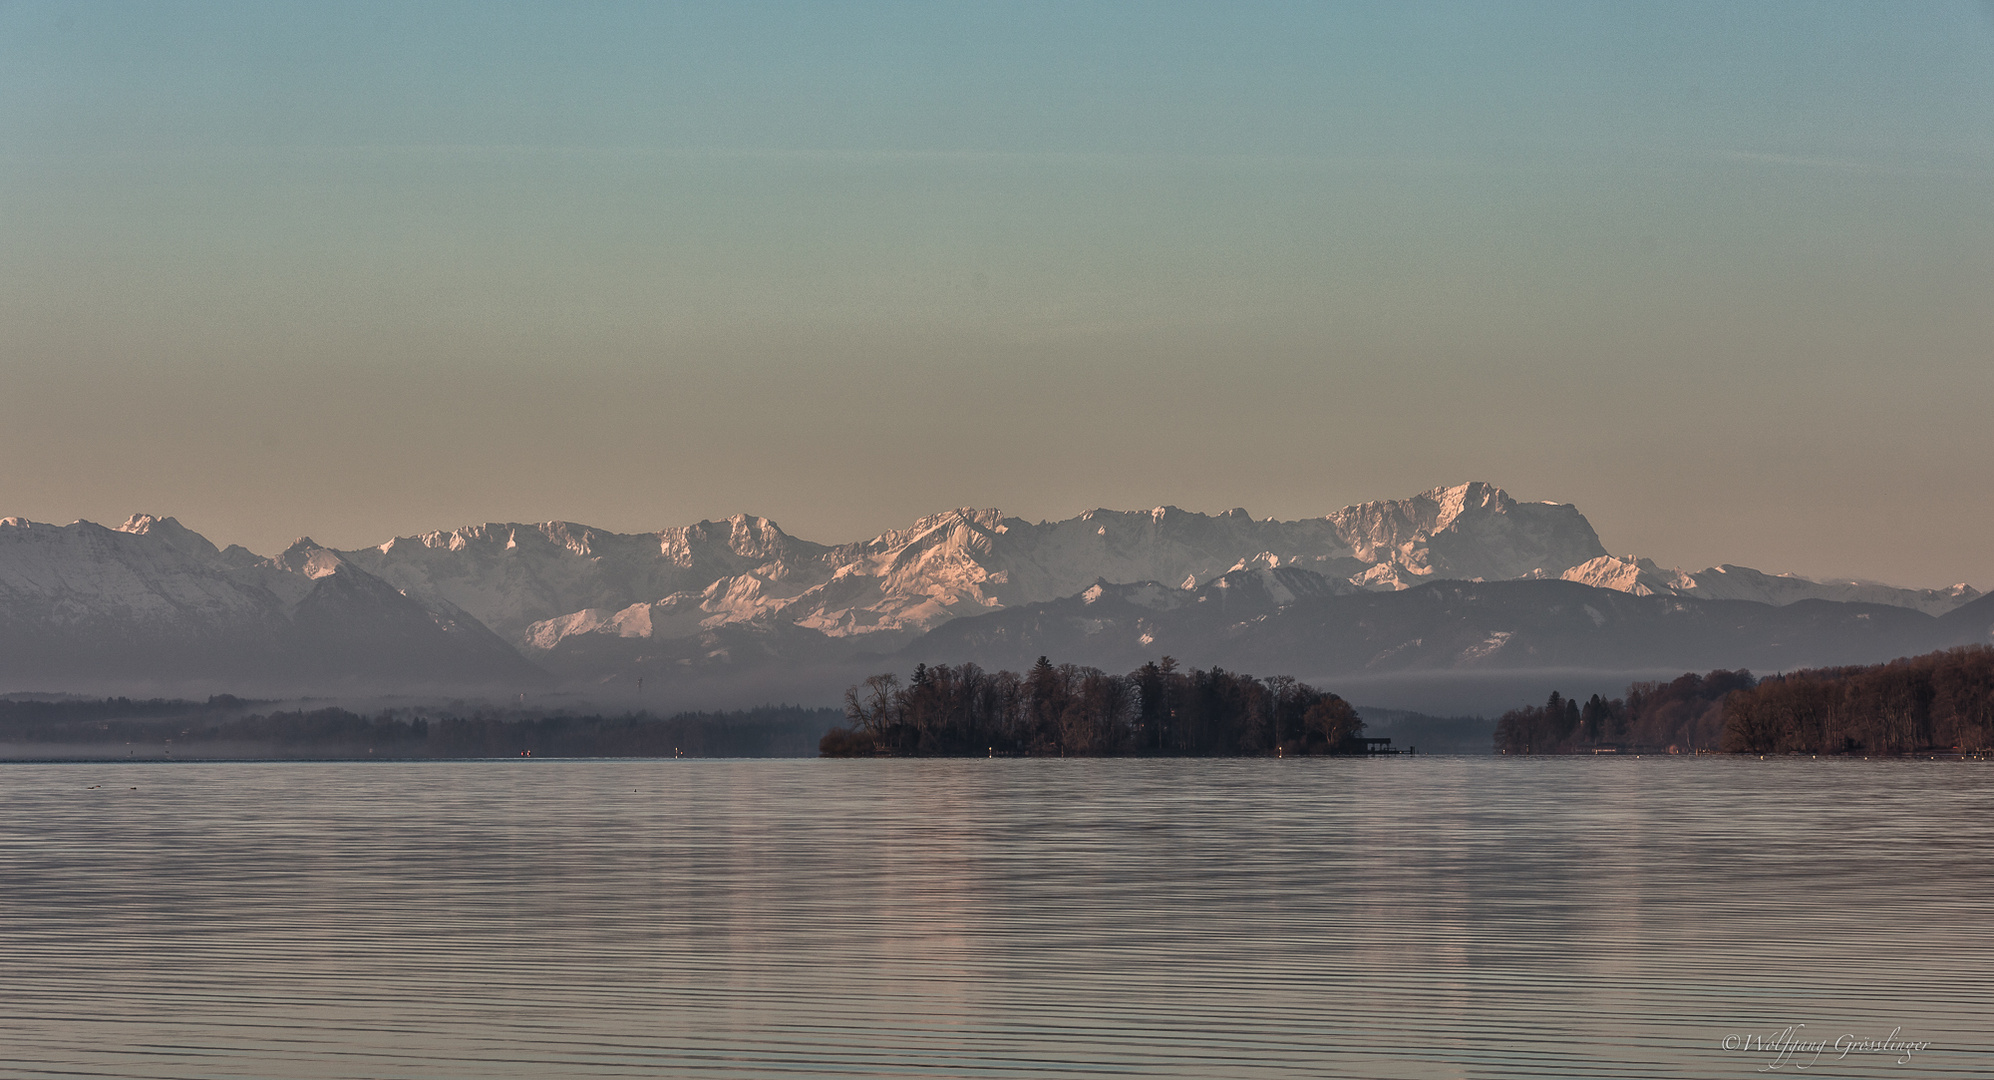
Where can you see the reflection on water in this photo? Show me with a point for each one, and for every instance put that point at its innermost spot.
(1421, 917)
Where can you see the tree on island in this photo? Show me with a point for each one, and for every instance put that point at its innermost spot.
(1063, 709)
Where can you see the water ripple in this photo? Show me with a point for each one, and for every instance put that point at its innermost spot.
(1391, 918)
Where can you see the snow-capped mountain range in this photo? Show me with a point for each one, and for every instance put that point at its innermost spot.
(1641, 577)
(154, 601)
(538, 585)
(505, 602)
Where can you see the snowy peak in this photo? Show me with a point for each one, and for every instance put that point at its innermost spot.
(1625, 573)
(526, 580)
(740, 541)
(1728, 582)
(1642, 577)
(955, 545)
(307, 558)
(1469, 531)
(498, 536)
(955, 524)
(153, 573)
(952, 548)
(170, 533)
(155, 600)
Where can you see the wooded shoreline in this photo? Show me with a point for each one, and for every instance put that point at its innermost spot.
(231, 729)
(1938, 704)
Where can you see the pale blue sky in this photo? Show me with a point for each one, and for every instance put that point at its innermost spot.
(1717, 273)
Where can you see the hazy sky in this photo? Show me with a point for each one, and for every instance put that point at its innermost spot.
(1720, 274)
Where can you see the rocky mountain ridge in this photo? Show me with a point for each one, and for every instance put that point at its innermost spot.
(154, 600)
(506, 602)
(565, 580)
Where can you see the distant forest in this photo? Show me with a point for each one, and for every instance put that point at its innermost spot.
(1938, 702)
(1941, 702)
(1055, 710)
(230, 728)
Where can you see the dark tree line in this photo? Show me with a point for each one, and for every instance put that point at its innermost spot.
(1939, 701)
(180, 730)
(1684, 715)
(1062, 709)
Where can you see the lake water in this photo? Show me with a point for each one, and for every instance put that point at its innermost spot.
(1422, 917)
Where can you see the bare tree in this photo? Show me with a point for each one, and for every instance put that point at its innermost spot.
(877, 708)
